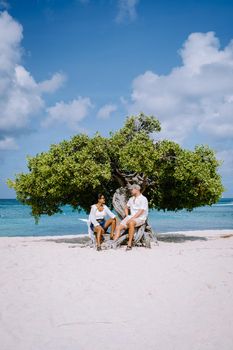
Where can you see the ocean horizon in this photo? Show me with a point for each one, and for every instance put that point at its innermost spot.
(16, 220)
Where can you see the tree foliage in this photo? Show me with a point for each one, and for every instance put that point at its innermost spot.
(73, 172)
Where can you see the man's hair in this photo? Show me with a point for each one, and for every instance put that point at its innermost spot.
(135, 186)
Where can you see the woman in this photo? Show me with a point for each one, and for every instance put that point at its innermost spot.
(98, 224)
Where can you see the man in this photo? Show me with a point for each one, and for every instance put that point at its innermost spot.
(138, 206)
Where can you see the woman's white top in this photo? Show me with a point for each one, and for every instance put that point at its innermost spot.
(96, 214)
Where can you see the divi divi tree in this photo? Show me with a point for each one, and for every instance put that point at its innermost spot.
(73, 172)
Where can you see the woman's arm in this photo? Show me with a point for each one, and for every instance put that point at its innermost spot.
(109, 212)
(93, 216)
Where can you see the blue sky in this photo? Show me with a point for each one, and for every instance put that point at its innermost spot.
(83, 66)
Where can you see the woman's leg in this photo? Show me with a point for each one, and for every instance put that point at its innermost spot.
(99, 231)
(112, 223)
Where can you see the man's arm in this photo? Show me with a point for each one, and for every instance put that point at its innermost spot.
(126, 211)
(139, 212)
(127, 207)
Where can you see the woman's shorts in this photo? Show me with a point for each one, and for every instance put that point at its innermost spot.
(101, 222)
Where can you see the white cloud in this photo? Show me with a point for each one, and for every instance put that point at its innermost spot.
(70, 113)
(17, 105)
(198, 95)
(11, 33)
(204, 49)
(8, 143)
(126, 10)
(51, 85)
(106, 111)
(21, 96)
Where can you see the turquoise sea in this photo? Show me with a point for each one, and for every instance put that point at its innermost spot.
(15, 220)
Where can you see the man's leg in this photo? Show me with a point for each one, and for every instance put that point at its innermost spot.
(131, 227)
(119, 228)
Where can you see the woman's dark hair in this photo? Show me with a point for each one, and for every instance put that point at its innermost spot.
(100, 195)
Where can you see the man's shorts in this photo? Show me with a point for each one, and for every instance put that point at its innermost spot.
(138, 221)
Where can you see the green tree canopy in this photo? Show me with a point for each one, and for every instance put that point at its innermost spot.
(73, 172)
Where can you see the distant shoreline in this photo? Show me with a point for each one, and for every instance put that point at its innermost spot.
(16, 220)
(198, 233)
(230, 197)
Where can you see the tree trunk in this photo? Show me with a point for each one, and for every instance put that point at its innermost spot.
(144, 234)
(119, 201)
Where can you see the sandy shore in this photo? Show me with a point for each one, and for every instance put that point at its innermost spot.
(55, 295)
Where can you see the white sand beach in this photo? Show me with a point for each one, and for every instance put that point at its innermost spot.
(175, 296)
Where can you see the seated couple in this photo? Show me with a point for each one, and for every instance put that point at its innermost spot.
(138, 207)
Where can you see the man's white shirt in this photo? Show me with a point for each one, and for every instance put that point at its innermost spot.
(137, 203)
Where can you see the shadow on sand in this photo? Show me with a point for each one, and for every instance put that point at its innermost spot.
(161, 237)
(178, 238)
(74, 240)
